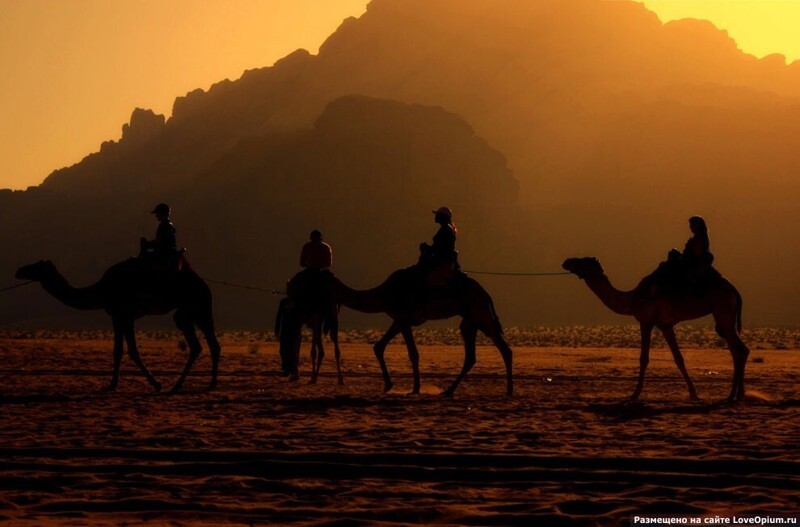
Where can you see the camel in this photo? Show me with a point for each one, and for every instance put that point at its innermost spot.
(399, 297)
(663, 311)
(319, 324)
(125, 294)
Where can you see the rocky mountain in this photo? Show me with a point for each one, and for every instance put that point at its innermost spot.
(602, 131)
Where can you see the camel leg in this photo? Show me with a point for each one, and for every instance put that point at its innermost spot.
(672, 342)
(335, 339)
(313, 378)
(380, 348)
(413, 355)
(740, 352)
(119, 336)
(133, 353)
(294, 371)
(207, 328)
(508, 355)
(185, 323)
(469, 333)
(316, 344)
(644, 358)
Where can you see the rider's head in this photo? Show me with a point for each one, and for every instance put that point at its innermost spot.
(697, 224)
(443, 215)
(161, 211)
(315, 236)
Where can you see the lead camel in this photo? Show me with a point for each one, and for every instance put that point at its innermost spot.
(664, 311)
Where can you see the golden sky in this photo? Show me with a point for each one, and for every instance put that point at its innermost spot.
(760, 27)
(73, 70)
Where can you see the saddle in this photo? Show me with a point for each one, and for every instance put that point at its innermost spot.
(677, 276)
(309, 287)
(155, 274)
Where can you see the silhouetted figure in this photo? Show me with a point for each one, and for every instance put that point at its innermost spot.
(443, 250)
(316, 254)
(305, 304)
(439, 262)
(697, 247)
(663, 310)
(164, 247)
(123, 294)
(687, 272)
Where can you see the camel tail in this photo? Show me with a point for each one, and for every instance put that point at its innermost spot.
(495, 318)
(739, 303)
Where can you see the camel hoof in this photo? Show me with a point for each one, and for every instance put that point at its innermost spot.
(157, 386)
(294, 377)
(109, 387)
(694, 398)
(312, 381)
(341, 382)
(388, 387)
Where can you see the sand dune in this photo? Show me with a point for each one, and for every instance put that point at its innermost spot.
(564, 451)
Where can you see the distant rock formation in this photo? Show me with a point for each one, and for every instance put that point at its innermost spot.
(144, 126)
(616, 127)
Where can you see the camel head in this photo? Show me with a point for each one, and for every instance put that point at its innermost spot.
(36, 272)
(583, 268)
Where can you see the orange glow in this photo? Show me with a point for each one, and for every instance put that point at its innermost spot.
(74, 71)
(760, 27)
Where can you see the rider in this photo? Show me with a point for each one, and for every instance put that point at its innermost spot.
(316, 258)
(684, 270)
(316, 254)
(696, 257)
(164, 246)
(696, 250)
(439, 262)
(443, 251)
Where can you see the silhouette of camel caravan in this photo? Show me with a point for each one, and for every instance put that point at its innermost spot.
(663, 307)
(400, 297)
(132, 289)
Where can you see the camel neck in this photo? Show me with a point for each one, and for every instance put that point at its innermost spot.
(366, 301)
(77, 297)
(620, 302)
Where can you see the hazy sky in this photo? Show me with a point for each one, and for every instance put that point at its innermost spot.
(73, 70)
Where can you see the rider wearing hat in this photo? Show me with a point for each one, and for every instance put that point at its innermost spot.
(164, 246)
(443, 251)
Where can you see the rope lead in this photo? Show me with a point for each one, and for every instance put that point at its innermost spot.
(516, 274)
(15, 286)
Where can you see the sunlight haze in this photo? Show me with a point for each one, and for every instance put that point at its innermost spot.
(760, 27)
(74, 71)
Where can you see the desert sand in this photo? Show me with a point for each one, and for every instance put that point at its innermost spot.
(565, 450)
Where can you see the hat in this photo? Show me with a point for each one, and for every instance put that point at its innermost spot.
(160, 208)
(445, 211)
